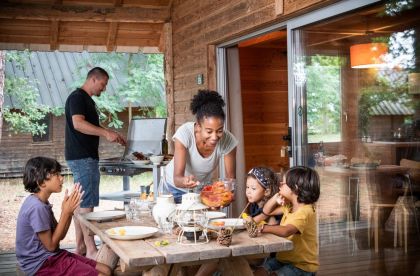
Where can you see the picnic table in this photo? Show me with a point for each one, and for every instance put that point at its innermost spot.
(144, 255)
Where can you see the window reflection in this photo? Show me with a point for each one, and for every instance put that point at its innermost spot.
(365, 124)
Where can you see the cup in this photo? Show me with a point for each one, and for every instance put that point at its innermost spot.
(165, 226)
(128, 212)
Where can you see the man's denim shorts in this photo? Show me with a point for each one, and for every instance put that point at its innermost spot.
(284, 269)
(86, 172)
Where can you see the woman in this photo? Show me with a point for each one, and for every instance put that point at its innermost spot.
(200, 144)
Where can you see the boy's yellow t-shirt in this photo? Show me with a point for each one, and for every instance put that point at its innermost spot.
(305, 245)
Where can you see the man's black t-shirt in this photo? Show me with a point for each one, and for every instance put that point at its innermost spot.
(79, 145)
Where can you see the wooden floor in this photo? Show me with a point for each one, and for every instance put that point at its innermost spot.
(341, 253)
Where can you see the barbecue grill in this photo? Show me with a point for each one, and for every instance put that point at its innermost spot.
(145, 136)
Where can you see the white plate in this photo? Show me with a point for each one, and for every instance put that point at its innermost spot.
(104, 215)
(131, 232)
(215, 215)
(229, 222)
(140, 162)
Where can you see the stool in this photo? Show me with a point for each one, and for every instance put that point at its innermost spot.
(397, 224)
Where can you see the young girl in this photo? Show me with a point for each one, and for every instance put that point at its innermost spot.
(299, 190)
(261, 185)
(38, 234)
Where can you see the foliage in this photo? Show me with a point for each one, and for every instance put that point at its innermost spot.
(143, 80)
(323, 93)
(25, 94)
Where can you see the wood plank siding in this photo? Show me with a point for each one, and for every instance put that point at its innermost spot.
(264, 105)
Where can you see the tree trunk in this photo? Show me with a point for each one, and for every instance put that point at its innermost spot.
(2, 69)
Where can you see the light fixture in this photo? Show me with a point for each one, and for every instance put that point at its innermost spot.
(368, 55)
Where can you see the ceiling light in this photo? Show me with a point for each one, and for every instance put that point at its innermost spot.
(368, 55)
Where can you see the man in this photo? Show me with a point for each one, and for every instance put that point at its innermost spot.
(81, 149)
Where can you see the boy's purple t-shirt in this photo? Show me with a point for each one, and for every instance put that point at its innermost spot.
(34, 216)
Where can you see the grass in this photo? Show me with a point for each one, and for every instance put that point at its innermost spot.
(13, 194)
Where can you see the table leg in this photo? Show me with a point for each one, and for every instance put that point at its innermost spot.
(237, 266)
(107, 256)
(159, 270)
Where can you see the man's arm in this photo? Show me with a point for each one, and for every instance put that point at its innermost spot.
(83, 126)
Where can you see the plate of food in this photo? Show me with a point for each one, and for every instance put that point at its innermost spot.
(217, 224)
(105, 215)
(131, 232)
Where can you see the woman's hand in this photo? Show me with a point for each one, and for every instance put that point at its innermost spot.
(72, 201)
(190, 182)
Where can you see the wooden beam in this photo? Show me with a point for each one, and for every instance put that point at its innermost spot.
(169, 83)
(83, 13)
(54, 35)
(112, 36)
(117, 3)
(264, 38)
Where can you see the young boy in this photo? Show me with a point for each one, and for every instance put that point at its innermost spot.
(299, 190)
(38, 233)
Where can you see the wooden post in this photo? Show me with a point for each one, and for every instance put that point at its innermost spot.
(211, 67)
(169, 83)
(2, 69)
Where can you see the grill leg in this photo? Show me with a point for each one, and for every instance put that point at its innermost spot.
(126, 183)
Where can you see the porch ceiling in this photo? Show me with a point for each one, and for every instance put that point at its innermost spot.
(76, 25)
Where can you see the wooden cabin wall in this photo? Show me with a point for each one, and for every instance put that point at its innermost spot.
(264, 105)
(16, 149)
(199, 25)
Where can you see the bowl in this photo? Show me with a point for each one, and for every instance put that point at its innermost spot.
(156, 159)
(219, 193)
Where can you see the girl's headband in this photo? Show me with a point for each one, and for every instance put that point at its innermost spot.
(259, 175)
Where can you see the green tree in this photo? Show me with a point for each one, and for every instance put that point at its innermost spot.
(27, 116)
(323, 93)
(142, 75)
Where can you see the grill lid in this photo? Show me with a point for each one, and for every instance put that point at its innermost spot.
(145, 135)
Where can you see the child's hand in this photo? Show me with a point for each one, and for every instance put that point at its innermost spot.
(280, 200)
(72, 201)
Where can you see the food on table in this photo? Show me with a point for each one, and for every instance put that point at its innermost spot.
(224, 236)
(216, 195)
(143, 196)
(168, 157)
(162, 243)
(139, 155)
(218, 223)
(121, 232)
(112, 232)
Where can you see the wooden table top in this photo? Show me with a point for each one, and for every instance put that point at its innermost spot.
(137, 253)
